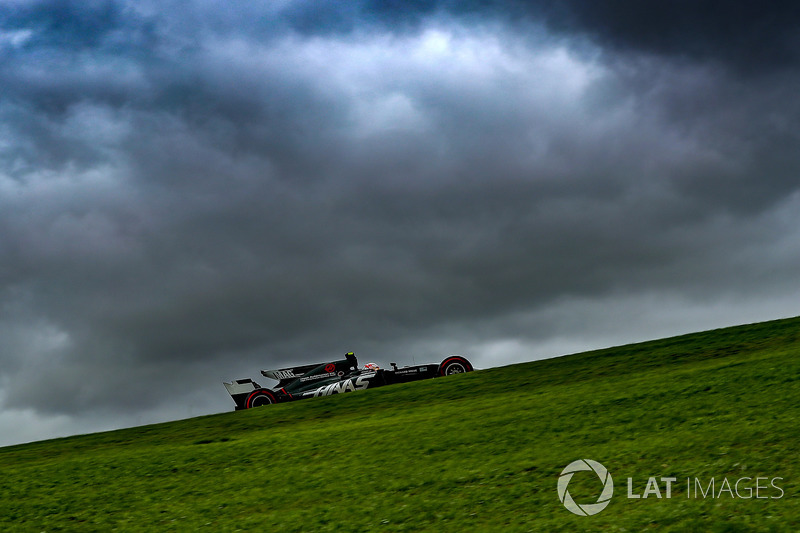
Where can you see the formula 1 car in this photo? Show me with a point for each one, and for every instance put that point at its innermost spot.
(335, 377)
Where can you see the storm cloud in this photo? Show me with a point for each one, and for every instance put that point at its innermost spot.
(192, 192)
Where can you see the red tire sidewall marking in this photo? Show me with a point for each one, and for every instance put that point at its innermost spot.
(464, 362)
(248, 403)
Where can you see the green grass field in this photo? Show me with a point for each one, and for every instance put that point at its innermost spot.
(475, 452)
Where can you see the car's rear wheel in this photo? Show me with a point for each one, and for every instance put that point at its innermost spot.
(260, 397)
(455, 364)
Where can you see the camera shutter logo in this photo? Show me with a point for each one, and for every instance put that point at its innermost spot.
(586, 509)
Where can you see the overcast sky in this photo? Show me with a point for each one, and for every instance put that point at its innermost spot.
(193, 191)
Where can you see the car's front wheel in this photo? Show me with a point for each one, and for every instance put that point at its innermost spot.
(260, 397)
(455, 364)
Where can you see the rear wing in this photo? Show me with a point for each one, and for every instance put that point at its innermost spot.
(240, 390)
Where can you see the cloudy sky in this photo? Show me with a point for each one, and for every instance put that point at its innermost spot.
(191, 192)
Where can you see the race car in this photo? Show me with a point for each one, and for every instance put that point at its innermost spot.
(335, 377)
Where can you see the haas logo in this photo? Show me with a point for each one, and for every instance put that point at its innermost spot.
(347, 385)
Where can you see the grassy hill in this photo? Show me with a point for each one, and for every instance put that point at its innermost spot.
(476, 452)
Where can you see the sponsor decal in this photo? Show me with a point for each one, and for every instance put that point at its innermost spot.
(330, 367)
(285, 374)
(317, 376)
(348, 385)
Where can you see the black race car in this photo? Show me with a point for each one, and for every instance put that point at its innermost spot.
(334, 377)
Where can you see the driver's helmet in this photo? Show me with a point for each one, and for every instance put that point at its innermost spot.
(371, 366)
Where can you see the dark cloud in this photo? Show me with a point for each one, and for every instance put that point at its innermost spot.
(749, 36)
(65, 24)
(244, 186)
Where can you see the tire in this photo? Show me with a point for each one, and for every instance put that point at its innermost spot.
(455, 364)
(260, 397)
